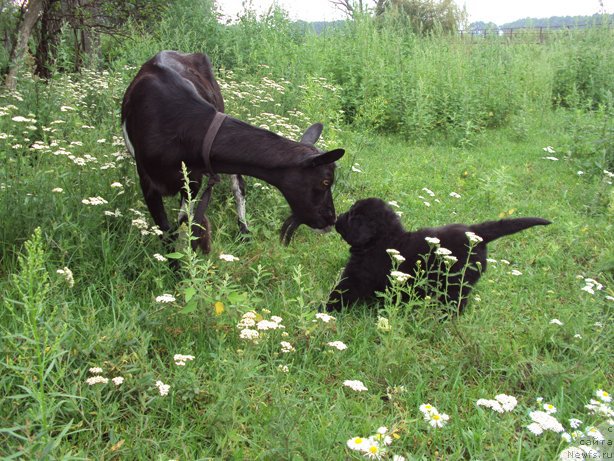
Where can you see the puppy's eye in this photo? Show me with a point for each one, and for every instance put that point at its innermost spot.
(325, 183)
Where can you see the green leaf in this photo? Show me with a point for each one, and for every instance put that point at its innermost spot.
(189, 293)
(236, 298)
(189, 307)
(175, 255)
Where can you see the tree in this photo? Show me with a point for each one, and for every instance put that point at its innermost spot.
(32, 12)
(425, 16)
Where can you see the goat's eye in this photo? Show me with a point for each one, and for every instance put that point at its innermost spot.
(326, 183)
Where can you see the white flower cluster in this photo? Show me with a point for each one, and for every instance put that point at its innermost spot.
(339, 345)
(501, 403)
(383, 324)
(374, 446)
(473, 237)
(165, 298)
(591, 285)
(99, 379)
(180, 359)
(355, 385)
(399, 276)
(543, 421)
(251, 326)
(163, 389)
(433, 416)
(228, 258)
(94, 201)
(324, 317)
(67, 274)
(286, 347)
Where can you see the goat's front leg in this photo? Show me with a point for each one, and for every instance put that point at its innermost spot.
(155, 205)
(201, 229)
(237, 183)
(287, 230)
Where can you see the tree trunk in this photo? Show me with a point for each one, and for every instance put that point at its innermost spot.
(51, 26)
(23, 35)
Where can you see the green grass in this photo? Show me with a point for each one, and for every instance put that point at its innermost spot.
(232, 401)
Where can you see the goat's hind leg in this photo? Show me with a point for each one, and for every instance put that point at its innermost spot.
(237, 183)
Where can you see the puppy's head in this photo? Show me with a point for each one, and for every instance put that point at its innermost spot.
(367, 222)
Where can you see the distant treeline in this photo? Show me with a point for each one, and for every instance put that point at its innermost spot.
(551, 22)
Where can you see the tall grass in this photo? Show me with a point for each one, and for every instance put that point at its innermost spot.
(479, 115)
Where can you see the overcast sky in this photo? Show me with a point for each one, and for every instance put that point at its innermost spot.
(497, 11)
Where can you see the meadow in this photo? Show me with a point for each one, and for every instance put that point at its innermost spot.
(109, 354)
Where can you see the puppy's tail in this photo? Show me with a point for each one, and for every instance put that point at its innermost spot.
(492, 230)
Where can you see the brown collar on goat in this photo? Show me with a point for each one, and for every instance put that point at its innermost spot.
(208, 141)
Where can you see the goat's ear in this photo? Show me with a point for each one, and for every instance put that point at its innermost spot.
(324, 158)
(312, 134)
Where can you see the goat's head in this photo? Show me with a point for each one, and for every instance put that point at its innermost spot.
(308, 188)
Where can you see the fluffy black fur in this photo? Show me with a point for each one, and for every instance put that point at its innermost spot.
(371, 227)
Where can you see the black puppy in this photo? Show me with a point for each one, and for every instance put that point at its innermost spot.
(371, 227)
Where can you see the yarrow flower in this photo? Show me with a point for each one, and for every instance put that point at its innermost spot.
(180, 359)
(442, 251)
(95, 370)
(96, 380)
(337, 345)
(543, 421)
(163, 388)
(57, 190)
(502, 403)
(324, 317)
(355, 385)
(432, 240)
(228, 258)
(165, 298)
(286, 347)
(94, 201)
(454, 195)
(68, 276)
(515, 272)
(392, 252)
(400, 276)
(118, 380)
(159, 257)
(383, 324)
(556, 322)
(474, 238)
(249, 334)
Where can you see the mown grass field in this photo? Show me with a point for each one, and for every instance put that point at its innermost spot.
(238, 399)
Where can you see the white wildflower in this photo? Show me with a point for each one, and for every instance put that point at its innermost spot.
(163, 388)
(355, 385)
(337, 345)
(400, 276)
(165, 298)
(118, 380)
(228, 258)
(180, 359)
(96, 380)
